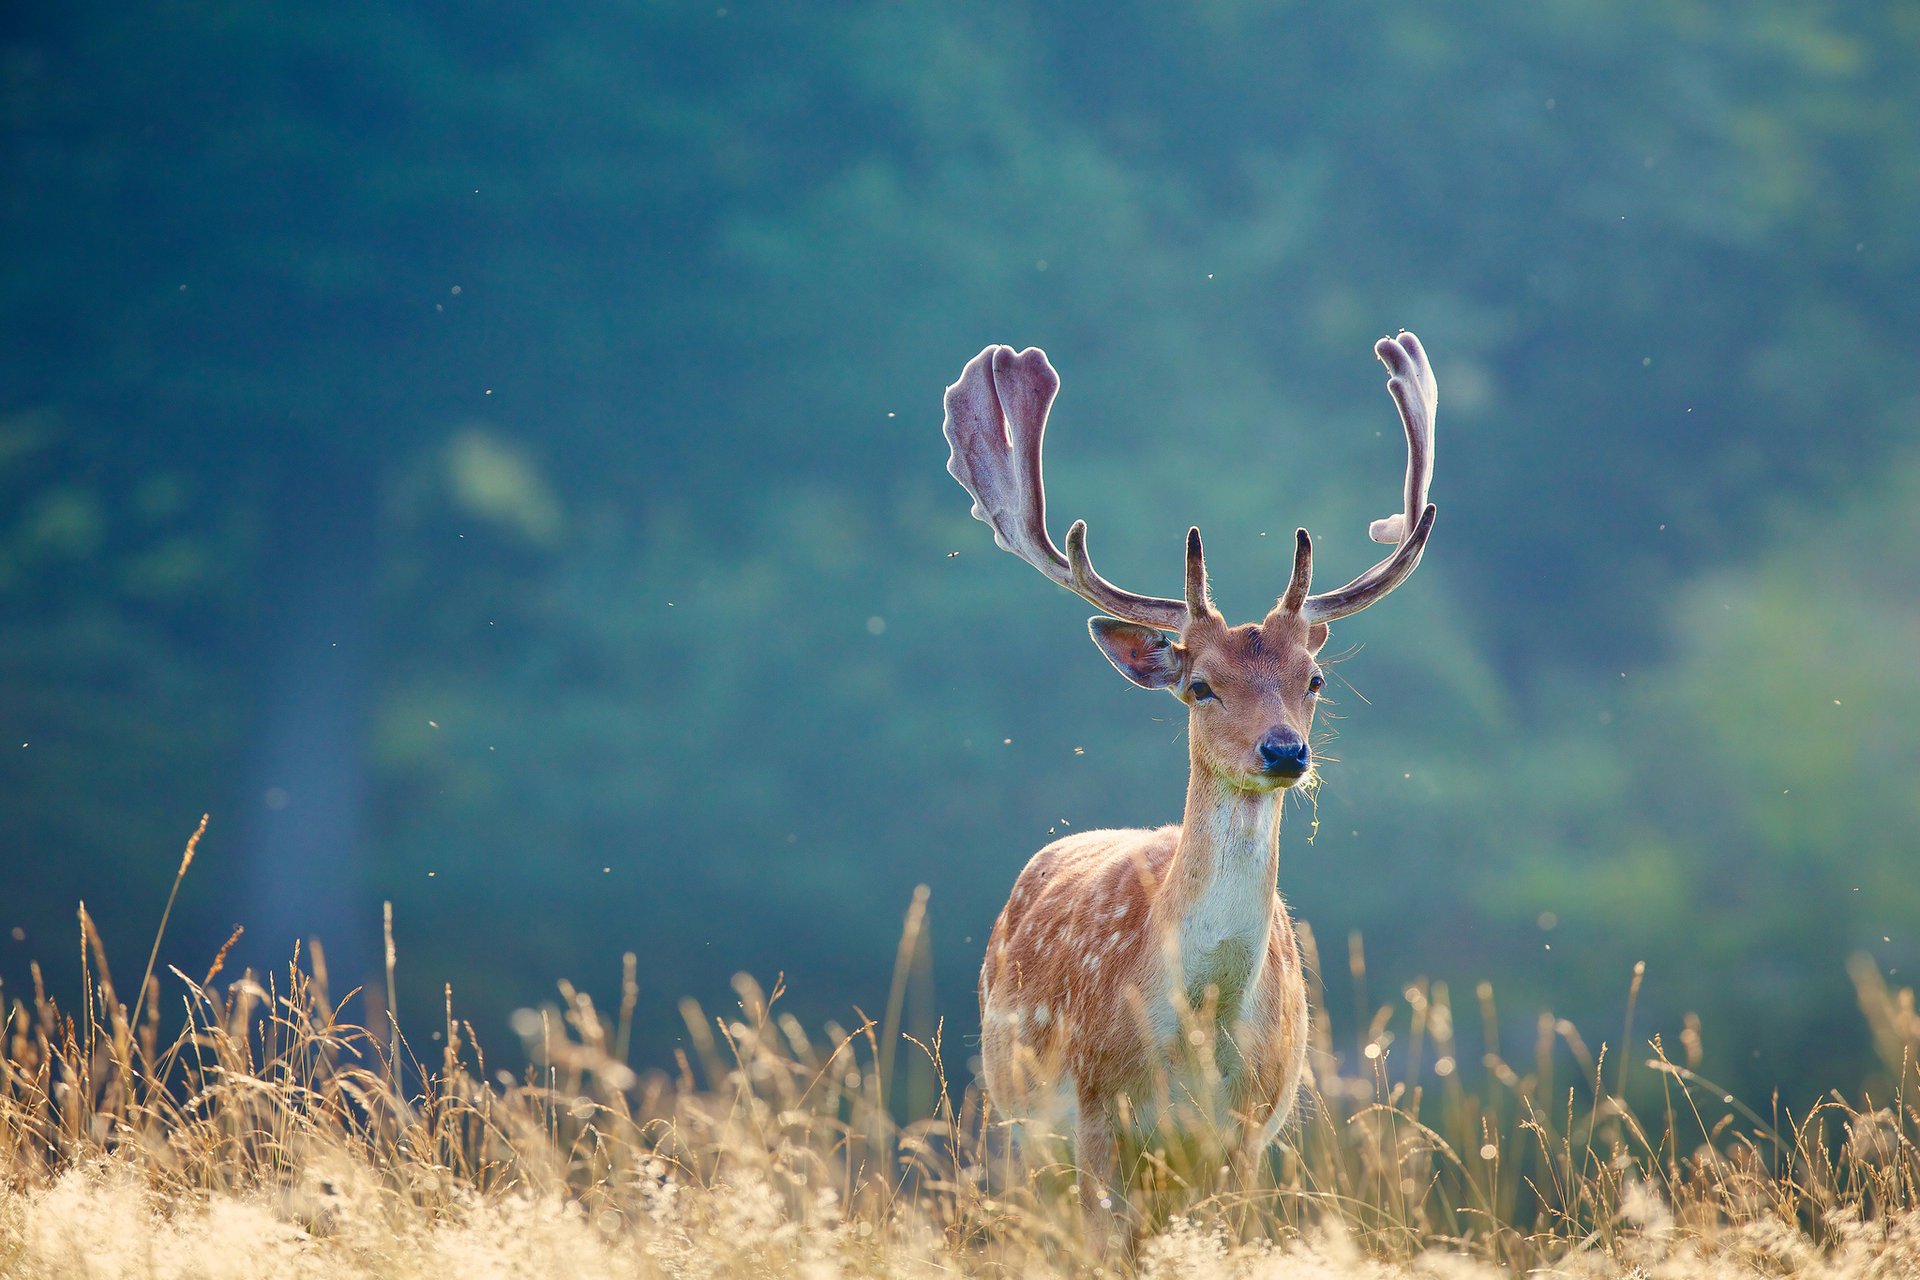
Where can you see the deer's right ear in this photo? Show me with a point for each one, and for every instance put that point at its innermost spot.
(1151, 659)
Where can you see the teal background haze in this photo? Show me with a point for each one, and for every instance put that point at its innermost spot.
(487, 455)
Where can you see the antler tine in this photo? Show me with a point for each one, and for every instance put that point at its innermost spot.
(1344, 601)
(995, 421)
(1199, 598)
(1295, 595)
(1410, 381)
(1150, 611)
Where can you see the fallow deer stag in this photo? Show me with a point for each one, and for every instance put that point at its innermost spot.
(1116, 945)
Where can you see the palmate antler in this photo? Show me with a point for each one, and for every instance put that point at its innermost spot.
(996, 416)
(996, 420)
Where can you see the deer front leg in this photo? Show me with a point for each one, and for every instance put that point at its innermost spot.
(1095, 1155)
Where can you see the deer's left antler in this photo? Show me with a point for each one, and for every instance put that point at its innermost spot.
(1410, 382)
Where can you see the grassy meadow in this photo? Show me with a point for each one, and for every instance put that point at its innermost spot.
(240, 1124)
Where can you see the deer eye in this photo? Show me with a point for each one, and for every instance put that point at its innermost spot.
(1316, 684)
(1201, 691)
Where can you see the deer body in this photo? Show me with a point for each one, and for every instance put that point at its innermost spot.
(1184, 913)
(1134, 973)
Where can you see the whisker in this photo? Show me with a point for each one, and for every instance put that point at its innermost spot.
(1350, 651)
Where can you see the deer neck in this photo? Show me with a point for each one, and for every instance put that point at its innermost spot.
(1218, 899)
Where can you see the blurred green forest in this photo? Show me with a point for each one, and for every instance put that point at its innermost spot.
(488, 456)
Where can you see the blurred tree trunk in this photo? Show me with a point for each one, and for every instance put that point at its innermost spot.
(306, 838)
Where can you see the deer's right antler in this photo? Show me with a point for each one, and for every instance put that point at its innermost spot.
(996, 417)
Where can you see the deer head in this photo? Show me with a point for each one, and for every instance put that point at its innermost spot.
(1251, 690)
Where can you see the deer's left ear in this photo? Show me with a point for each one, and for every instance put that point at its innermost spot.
(1317, 637)
(1149, 658)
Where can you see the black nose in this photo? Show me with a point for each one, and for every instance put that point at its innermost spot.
(1284, 754)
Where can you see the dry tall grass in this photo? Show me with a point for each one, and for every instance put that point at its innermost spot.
(270, 1135)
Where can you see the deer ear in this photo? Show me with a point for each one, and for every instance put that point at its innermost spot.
(1149, 658)
(1317, 637)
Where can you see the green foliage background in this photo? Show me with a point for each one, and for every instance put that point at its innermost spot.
(527, 418)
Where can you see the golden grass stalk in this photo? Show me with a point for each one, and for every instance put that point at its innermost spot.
(272, 1134)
